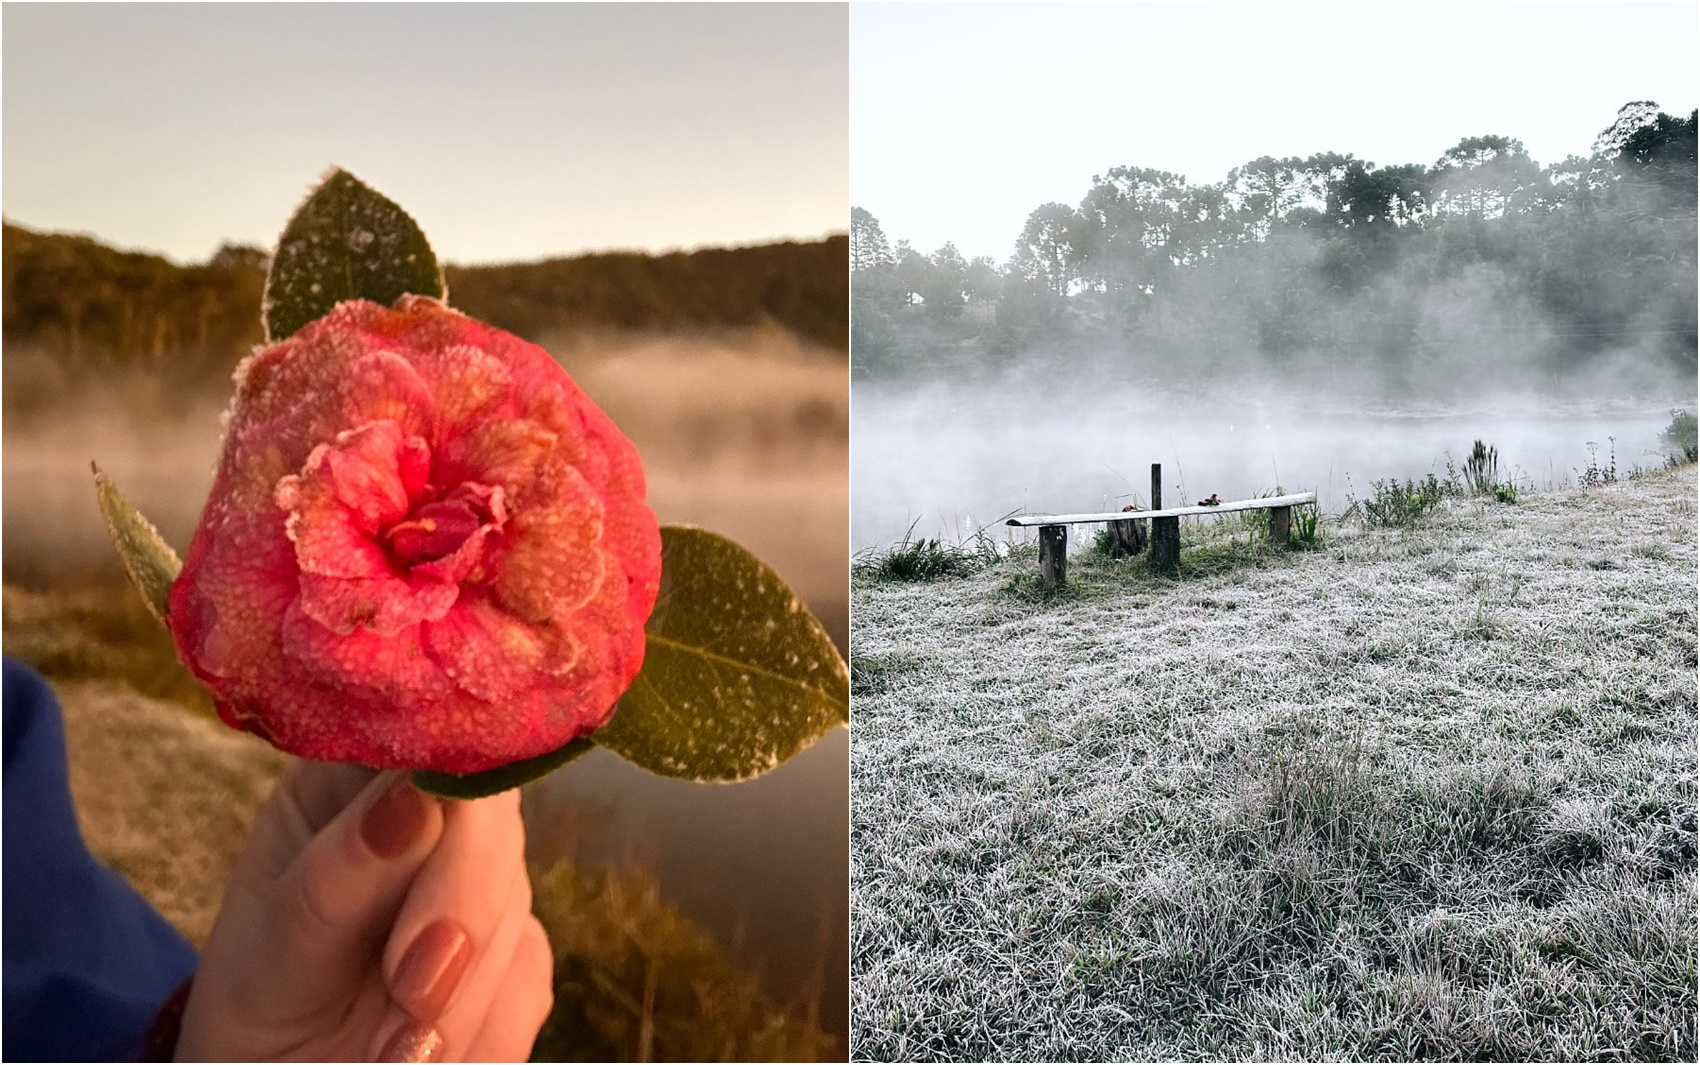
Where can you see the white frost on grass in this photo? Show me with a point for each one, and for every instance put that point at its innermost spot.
(1425, 793)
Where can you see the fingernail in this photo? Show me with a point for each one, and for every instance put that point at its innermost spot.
(415, 1042)
(394, 821)
(431, 969)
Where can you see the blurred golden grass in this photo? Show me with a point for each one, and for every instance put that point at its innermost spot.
(164, 797)
(99, 632)
(636, 980)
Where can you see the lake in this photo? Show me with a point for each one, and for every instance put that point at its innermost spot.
(950, 459)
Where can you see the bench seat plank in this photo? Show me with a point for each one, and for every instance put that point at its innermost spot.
(1172, 512)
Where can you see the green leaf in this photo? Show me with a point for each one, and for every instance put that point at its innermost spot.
(495, 781)
(737, 675)
(345, 242)
(148, 560)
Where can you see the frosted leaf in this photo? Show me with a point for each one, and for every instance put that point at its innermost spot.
(148, 560)
(726, 693)
(346, 241)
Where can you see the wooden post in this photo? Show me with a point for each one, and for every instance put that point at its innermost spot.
(1166, 543)
(1280, 522)
(1053, 555)
(1165, 532)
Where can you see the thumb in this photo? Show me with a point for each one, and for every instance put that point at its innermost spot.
(335, 902)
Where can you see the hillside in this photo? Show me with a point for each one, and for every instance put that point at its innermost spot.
(86, 305)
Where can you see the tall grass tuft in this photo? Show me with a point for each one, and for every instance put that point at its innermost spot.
(1481, 469)
(929, 558)
(1306, 530)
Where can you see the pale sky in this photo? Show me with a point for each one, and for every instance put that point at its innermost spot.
(964, 118)
(509, 131)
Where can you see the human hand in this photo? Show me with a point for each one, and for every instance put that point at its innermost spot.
(367, 921)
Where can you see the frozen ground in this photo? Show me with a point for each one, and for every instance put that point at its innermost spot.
(1422, 794)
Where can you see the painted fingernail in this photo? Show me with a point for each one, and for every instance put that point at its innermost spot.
(415, 1042)
(431, 969)
(395, 820)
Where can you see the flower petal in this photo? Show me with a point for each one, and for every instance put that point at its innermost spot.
(493, 655)
(393, 666)
(364, 468)
(348, 491)
(384, 387)
(384, 605)
(469, 379)
(505, 452)
(552, 566)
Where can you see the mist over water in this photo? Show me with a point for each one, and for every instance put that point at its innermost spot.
(952, 457)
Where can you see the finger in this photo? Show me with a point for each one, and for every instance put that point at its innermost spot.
(307, 797)
(321, 790)
(456, 904)
(401, 1038)
(466, 1014)
(499, 1009)
(336, 902)
(521, 1003)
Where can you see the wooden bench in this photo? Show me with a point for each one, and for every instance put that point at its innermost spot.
(1165, 526)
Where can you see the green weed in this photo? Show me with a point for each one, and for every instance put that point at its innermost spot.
(1395, 504)
(1595, 475)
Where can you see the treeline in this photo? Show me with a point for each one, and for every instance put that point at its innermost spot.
(92, 306)
(801, 286)
(1483, 267)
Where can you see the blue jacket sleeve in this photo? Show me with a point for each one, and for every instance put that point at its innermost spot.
(87, 961)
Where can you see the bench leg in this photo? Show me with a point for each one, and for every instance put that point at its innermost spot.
(1280, 522)
(1053, 555)
(1166, 543)
(1127, 537)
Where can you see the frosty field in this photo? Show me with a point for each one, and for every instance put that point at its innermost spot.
(1423, 793)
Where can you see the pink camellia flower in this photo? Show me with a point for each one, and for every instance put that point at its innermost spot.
(425, 547)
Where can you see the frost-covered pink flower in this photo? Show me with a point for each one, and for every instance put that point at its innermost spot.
(425, 547)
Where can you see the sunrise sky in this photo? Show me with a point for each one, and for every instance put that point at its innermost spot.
(509, 131)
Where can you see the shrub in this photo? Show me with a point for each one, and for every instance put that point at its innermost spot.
(1682, 437)
(1394, 503)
